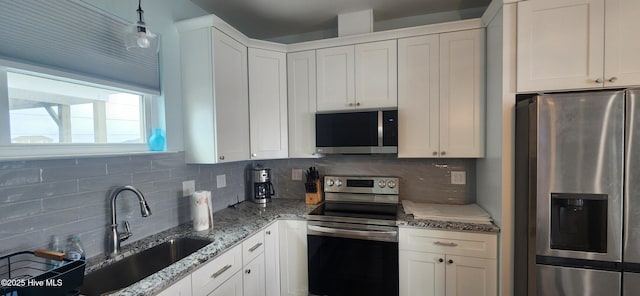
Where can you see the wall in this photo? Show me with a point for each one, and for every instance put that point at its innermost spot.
(62, 197)
(66, 196)
(495, 173)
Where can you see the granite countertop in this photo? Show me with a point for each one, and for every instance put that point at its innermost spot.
(230, 227)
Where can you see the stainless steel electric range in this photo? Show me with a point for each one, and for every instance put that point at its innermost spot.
(352, 237)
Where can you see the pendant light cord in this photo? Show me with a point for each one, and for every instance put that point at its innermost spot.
(140, 11)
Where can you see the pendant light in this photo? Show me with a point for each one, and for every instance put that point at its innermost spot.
(139, 36)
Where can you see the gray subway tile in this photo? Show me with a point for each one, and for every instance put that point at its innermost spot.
(36, 191)
(73, 172)
(19, 177)
(150, 176)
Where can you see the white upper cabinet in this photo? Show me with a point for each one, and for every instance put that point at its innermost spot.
(215, 97)
(335, 77)
(622, 44)
(562, 44)
(268, 104)
(357, 76)
(441, 95)
(376, 74)
(301, 83)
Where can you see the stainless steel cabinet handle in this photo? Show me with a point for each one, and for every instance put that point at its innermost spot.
(221, 157)
(599, 80)
(613, 79)
(255, 247)
(268, 232)
(221, 271)
(450, 261)
(439, 243)
(248, 271)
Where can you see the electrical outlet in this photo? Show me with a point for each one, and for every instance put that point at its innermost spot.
(458, 177)
(188, 188)
(221, 181)
(296, 174)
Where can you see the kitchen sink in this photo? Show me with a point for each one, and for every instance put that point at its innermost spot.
(138, 266)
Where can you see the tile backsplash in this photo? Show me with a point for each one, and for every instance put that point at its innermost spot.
(62, 197)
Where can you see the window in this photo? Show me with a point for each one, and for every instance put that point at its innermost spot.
(46, 111)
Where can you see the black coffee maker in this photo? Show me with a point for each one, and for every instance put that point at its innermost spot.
(262, 186)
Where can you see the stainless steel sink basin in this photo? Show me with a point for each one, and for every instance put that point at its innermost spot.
(138, 266)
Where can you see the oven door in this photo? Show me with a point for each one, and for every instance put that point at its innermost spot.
(352, 259)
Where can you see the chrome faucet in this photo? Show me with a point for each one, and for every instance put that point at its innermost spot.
(115, 237)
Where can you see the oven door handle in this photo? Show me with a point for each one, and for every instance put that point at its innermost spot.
(364, 234)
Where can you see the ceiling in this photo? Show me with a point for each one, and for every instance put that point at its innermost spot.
(265, 19)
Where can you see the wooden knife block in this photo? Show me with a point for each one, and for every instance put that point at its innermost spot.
(316, 197)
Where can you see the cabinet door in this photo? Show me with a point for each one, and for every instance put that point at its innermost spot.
(421, 274)
(418, 96)
(376, 74)
(232, 287)
(268, 104)
(560, 44)
(253, 278)
(181, 288)
(301, 83)
(335, 77)
(272, 259)
(231, 98)
(293, 258)
(471, 276)
(462, 94)
(622, 45)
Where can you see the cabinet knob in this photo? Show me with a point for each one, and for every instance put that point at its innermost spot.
(221, 157)
(450, 261)
(313, 153)
(613, 79)
(254, 155)
(440, 260)
(358, 104)
(435, 153)
(599, 80)
(268, 232)
(443, 153)
(350, 104)
(248, 271)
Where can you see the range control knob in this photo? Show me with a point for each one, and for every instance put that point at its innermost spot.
(391, 184)
(382, 184)
(338, 183)
(329, 182)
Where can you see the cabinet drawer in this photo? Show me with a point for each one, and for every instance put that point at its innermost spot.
(252, 247)
(214, 273)
(448, 242)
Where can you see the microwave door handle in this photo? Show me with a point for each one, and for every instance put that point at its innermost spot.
(380, 129)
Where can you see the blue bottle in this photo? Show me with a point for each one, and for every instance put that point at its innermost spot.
(156, 141)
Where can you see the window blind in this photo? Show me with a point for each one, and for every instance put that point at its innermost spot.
(72, 36)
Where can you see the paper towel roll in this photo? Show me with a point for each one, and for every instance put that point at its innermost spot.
(201, 210)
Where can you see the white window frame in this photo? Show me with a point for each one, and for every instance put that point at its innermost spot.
(10, 151)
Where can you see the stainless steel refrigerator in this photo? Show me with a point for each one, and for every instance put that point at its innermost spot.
(577, 193)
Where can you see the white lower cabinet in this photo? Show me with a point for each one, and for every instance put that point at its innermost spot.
(253, 277)
(181, 288)
(447, 263)
(272, 259)
(232, 287)
(293, 258)
(213, 274)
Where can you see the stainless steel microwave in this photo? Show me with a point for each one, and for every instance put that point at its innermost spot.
(367, 132)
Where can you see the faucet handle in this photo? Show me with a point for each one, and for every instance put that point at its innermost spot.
(125, 235)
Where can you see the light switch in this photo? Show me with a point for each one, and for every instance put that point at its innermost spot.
(188, 188)
(221, 181)
(458, 177)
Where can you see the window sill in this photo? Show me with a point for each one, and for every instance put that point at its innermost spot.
(43, 151)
